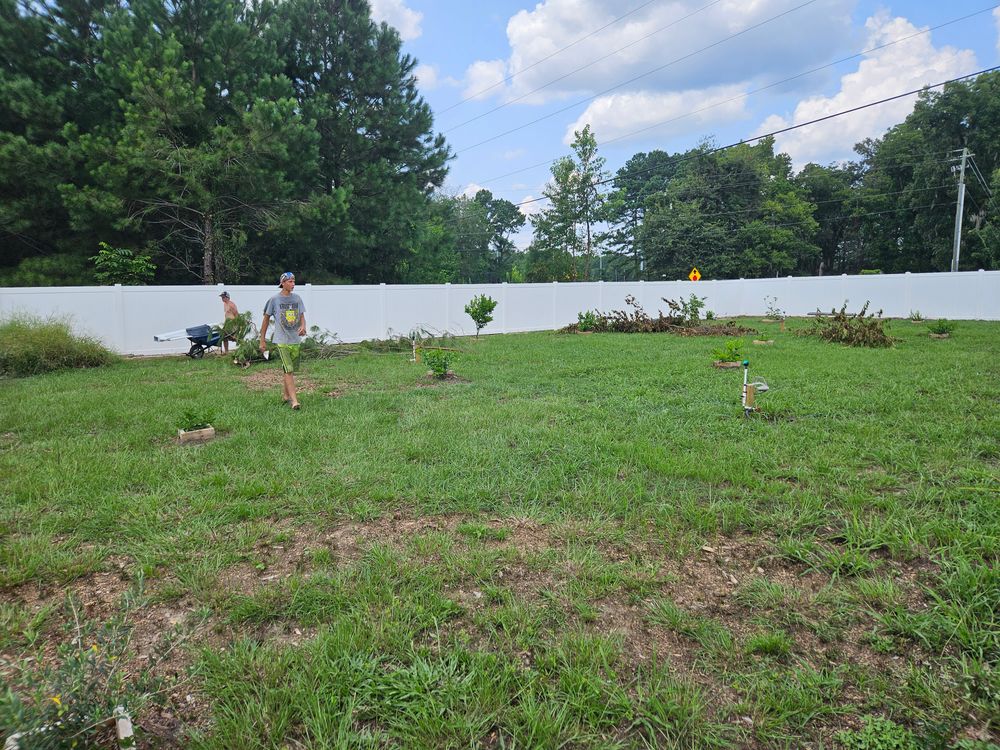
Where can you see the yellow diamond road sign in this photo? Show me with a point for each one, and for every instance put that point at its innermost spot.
(695, 274)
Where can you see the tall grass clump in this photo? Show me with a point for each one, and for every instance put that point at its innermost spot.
(30, 345)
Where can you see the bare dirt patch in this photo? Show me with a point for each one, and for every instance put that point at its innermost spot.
(538, 567)
(430, 381)
(270, 379)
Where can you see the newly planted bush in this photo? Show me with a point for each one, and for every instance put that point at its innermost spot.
(195, 419)
(31, 346)
(730, 351)
(941, 327)
(480, 309)
(859, 329)
(438, 360)
(590, 320)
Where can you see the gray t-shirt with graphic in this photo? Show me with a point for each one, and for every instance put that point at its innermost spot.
(287, 312)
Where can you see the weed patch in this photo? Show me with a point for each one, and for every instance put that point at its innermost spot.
(32, 346)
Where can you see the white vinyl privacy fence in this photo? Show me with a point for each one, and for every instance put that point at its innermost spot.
(126, 318)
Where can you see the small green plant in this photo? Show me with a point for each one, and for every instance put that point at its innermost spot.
(915, 316)
(730, 351)
(772, 310)
(32, 346)
(941, 327)
(480, 309)
(194, 419)
(117, 265)
(709, 315)
(70, 697)
(438, 360)
(858, 329)
(878, 734)
(686, 312)
(588, 321)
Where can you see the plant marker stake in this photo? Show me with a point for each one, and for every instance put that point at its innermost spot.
(743, 395)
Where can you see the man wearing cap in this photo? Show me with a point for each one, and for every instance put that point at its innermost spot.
(229, 308)
(289, 313)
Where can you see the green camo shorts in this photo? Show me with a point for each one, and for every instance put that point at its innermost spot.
(290, 355)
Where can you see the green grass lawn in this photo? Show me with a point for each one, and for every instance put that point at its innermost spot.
(580, 543)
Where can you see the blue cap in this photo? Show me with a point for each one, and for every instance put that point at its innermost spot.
(284, 276)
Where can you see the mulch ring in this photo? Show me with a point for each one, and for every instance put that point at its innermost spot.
(537, 566)
(430, 381)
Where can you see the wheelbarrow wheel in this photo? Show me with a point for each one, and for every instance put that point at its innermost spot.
(197, 351)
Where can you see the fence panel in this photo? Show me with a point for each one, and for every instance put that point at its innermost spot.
(126, 318)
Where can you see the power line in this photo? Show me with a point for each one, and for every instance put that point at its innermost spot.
(794, 127)
(636, 78)
(799, 75)
(583, 67)
(763, 88)
(558, 51)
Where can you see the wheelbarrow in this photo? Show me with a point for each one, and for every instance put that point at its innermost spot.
(202, 339)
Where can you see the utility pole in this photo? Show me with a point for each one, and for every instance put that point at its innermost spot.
(959, 207)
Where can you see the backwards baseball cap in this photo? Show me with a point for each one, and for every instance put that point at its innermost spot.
(285, 276)
(224, 295)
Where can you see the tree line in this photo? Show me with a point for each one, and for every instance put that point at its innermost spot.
(223, 140)
(744, 212)
(199, 141)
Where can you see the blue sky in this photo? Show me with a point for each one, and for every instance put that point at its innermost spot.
(666, 74)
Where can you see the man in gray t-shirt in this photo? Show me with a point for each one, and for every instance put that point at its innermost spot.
(289, 313)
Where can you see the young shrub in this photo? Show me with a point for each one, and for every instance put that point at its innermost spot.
(773, 311)
(117, 265)
(480, 309)
(730, 351)
(941, 327)
(195, 419)
(686, 313)
(859, 329)
(32, 346)
(588, 321)
(438, 360)
(915, 316)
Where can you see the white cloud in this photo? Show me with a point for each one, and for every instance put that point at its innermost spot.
(427, 77)
(396, 14)
(646, 114)
(483, 79)
(656, 35)
(471, 189)
(881, 74)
